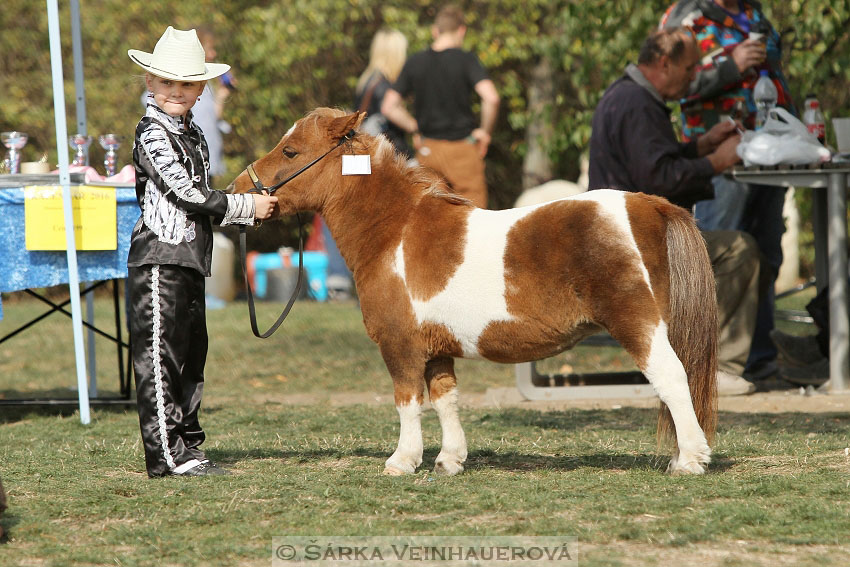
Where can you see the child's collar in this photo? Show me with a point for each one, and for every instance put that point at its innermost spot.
(175, 124)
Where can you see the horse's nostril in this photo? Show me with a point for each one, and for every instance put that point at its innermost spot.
(230, 188)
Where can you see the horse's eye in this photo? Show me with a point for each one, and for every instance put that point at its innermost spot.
(289, 152)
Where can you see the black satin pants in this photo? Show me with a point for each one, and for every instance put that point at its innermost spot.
(168, 330)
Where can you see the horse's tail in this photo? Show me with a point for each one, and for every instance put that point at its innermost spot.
(692, 325)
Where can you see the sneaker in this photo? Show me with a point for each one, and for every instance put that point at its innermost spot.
(815, 374)
(796, 350)
(204, 468)
(732, 385)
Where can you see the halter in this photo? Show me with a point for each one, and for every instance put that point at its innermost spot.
(259, 188)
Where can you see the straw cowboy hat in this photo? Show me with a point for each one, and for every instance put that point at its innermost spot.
(178, 55)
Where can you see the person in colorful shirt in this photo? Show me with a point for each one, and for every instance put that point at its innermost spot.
(171, 253)
(737, 41)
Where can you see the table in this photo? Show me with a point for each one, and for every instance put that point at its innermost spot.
(829, 184)
(24, 270)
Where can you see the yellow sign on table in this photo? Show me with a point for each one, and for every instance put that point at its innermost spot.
(95, 217)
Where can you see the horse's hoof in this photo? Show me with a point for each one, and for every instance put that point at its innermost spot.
(680, 467)
(392, 471)
(448, 468)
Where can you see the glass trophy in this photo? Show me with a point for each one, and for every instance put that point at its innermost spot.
(80, 144)
(110, 143)
(14, 142)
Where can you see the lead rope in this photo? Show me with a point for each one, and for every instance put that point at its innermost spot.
(251, 309)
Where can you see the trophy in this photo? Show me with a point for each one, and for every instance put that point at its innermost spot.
(81, 144)
(110, 143)
(14, 141)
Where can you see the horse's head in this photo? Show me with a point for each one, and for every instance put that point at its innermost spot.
(323, 131)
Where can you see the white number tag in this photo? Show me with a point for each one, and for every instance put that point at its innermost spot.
(356, 165)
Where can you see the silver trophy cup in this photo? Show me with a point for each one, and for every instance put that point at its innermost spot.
(110, 143)
(80, 144)
(14, 141)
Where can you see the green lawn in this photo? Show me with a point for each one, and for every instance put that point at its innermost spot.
(776, 493)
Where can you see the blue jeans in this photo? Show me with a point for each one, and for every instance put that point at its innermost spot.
(757, 210)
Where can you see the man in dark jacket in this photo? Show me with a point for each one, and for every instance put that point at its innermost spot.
(633, 148)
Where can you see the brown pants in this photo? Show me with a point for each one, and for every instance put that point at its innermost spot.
(735, 261)
(458, 161)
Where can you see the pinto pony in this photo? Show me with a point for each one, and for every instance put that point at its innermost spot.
(440, 279)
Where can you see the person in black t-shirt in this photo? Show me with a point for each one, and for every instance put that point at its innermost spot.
(446, 134)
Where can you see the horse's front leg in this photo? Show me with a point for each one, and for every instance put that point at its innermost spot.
(442, 388)
(409, 391)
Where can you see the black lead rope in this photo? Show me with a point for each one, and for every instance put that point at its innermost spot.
(243, 246)
(251, 309)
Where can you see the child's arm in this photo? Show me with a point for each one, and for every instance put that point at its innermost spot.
(167, 171)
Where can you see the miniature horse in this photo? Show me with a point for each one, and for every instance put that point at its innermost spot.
(439, 279)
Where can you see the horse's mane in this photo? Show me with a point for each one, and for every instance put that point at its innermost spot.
(429, 183)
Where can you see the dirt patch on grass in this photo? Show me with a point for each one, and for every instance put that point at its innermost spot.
(762, 402)
(728, 553)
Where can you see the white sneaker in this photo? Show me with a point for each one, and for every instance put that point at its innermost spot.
(731, 385)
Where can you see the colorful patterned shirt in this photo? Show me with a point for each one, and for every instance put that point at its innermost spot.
(719, 88)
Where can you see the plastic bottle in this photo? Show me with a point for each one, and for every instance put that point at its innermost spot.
(813, 118)
(764, 95)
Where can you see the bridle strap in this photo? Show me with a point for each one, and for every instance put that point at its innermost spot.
(260, 189)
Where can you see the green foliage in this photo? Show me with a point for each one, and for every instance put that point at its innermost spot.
(291, 57)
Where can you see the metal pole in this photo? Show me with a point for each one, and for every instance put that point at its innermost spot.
(82, 128)
(65, 181)
(79, 81)
(839, 331)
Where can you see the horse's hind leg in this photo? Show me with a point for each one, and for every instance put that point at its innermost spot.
(665, 372)
(442, 388)
(646, 341)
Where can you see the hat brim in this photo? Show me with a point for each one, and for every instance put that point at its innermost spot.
(143, 60)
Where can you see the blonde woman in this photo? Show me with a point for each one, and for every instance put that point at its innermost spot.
(386, 58)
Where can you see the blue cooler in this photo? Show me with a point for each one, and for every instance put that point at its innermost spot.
(315, 267)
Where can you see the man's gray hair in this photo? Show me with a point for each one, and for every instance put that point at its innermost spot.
(670, 42)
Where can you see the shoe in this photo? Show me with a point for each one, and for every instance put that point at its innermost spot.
(815, 374)
(204, 468)
(796, 350)
(732, 385)
(761, 371)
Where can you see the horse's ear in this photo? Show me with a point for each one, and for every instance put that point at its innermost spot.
(341, 126)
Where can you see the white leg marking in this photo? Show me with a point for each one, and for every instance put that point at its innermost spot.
(453, 452)
(408, 454)
(665, 372)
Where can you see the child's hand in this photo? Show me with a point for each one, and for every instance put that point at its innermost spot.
(264, 206)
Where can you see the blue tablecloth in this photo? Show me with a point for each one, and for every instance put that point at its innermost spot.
(24, 269)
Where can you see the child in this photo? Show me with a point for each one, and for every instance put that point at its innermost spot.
(171, 251)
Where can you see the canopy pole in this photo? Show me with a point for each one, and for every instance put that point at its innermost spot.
(65, 182)
(82, 128)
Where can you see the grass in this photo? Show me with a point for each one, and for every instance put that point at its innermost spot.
(776, 494)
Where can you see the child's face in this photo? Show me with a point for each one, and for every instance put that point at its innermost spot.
(174, 97)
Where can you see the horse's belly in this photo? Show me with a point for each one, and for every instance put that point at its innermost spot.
(464, 313)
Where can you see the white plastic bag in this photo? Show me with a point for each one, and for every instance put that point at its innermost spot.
(783, 140)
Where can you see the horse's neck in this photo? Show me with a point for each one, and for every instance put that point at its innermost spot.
(368, 213)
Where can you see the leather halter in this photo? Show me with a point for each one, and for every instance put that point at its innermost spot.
(259, 188)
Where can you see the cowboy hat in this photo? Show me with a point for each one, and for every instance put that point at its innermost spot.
(178, 55)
